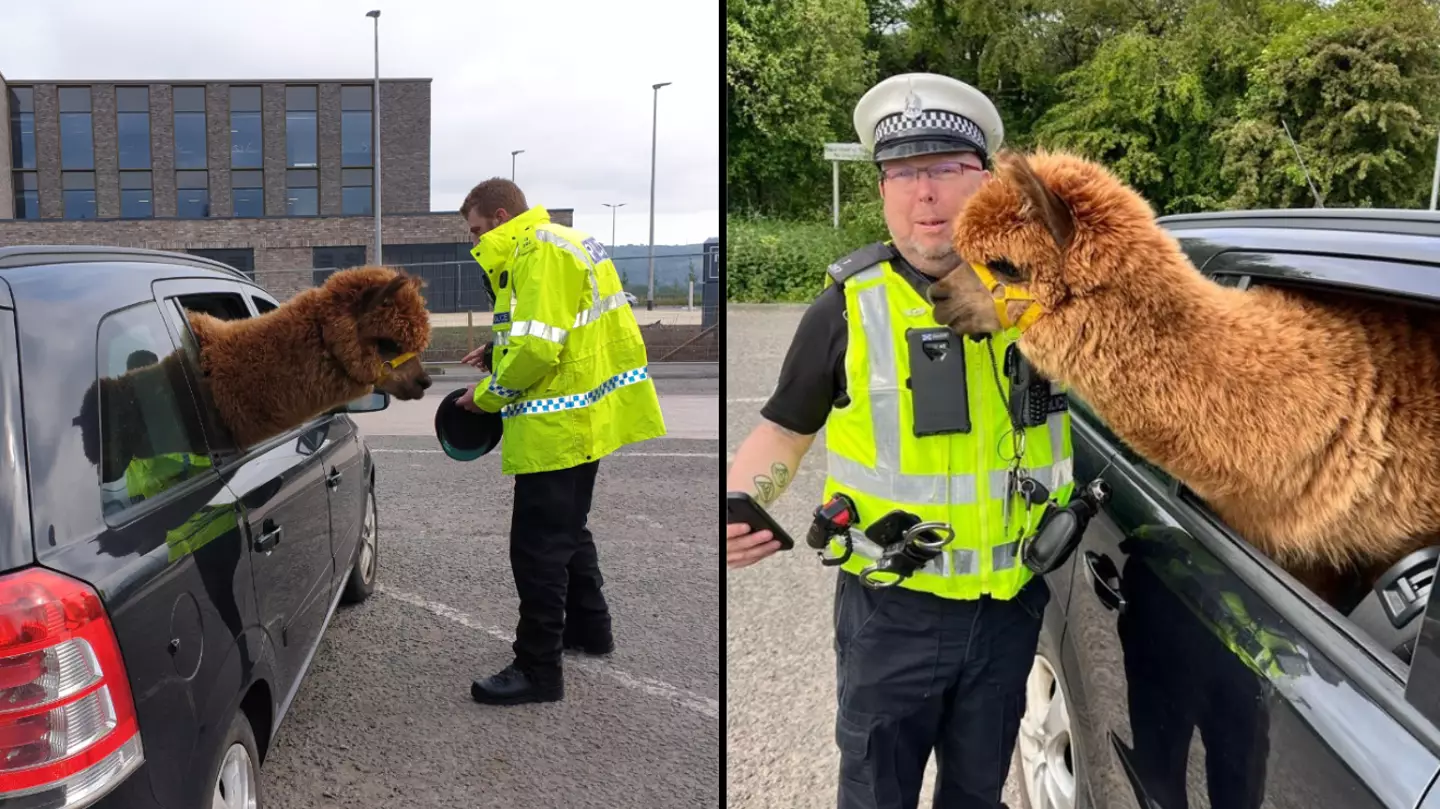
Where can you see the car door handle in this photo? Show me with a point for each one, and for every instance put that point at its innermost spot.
(267, 541)
(333, 479)
(1101, 572)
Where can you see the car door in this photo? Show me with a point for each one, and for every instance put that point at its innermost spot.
(344, 475)
(282, 490)
(1209, 677)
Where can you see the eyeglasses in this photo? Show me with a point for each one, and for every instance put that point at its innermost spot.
(939, 173)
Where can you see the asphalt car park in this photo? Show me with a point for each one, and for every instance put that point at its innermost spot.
(384, 716)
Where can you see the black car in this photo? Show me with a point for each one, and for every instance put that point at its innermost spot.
(154, 627)
(1179, 667)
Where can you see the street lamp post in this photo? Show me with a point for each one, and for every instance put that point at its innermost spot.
(376, 15)
(654, 131)
(512, 163)
(612, 208)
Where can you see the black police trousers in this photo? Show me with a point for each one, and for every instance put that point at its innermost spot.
(919, 673)
(556, 567)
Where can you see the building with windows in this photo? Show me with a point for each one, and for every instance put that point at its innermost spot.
(274, 177)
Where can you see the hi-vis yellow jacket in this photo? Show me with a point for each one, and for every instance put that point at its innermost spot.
(570, 376)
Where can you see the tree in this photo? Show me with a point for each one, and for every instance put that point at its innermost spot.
(794, 70)
(1356, 84)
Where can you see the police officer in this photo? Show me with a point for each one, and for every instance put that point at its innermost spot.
(570, 379)
(917, 424)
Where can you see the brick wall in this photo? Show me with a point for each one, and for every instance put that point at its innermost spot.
(47, 150)
(107, 149)
(217, 148)
(7, 179)
(405, 147)
(162, 149)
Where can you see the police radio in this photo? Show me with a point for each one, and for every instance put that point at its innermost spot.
(1031, 398)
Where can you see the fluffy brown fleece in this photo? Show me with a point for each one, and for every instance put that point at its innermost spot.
(269, 374)
(322, 348)
(1307, 422)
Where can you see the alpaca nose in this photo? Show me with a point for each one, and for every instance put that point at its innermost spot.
(424, 383)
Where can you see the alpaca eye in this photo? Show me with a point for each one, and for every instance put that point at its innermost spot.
(1004, 270)
(388, 346)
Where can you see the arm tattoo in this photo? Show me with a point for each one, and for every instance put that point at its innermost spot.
(781, 475)
(765, 490)
(769, 487)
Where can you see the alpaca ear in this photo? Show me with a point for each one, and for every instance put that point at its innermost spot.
(374, 296)
(1038, 202)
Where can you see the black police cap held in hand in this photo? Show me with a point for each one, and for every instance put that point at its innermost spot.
(464, 435)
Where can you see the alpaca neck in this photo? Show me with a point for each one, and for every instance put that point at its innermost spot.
(1131, 367)
(294, 391)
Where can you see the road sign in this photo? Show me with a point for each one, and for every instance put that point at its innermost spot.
(846, 151)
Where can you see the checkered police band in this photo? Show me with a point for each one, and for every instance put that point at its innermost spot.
(559, 403)
(936, 124)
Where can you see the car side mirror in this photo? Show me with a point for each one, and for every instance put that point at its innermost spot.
(369, 403)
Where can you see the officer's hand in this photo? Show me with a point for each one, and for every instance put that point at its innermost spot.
(468, 400)
(475, 359)
(743, 548)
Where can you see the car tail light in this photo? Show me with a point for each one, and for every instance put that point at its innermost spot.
(68, 731)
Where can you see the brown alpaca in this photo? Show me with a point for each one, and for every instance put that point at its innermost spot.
(321, 349)
(1308, 423)
(272, 373)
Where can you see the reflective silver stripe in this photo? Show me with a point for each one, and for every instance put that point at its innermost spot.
(502, 338)
(966, 561)
(884, 379)
(534, 328)
(609, 303)
(1003, 556)
(925, 490)
(1063, 469)
(559, 241)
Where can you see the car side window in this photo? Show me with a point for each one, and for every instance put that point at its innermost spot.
(151, 441)
(262, 306)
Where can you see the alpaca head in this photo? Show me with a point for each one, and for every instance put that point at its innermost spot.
(1041, 235)
(378, 326)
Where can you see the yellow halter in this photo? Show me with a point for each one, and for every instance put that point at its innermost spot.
(1003, 294)
(390, 365)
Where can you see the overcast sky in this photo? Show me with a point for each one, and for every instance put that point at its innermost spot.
(568, 81)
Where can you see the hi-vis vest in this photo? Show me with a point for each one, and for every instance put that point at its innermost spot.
(957, 479)
(570, 376)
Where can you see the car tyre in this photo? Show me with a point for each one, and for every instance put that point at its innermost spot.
(1046, 762)
(362, 575)
(235, 783)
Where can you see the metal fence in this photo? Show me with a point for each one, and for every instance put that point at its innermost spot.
(681, 327)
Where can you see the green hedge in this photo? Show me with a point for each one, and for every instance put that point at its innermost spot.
(774, 260)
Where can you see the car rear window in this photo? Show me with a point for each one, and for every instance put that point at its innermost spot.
(15, 538)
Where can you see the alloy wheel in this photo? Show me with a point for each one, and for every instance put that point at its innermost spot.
(367, 541)
(1047, 767)
(235, 786)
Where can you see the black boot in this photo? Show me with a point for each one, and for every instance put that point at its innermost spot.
(513, 686)
(591, 643)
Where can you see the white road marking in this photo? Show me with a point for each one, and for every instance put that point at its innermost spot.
(748, 400)
(607, 457)
(700, 704)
